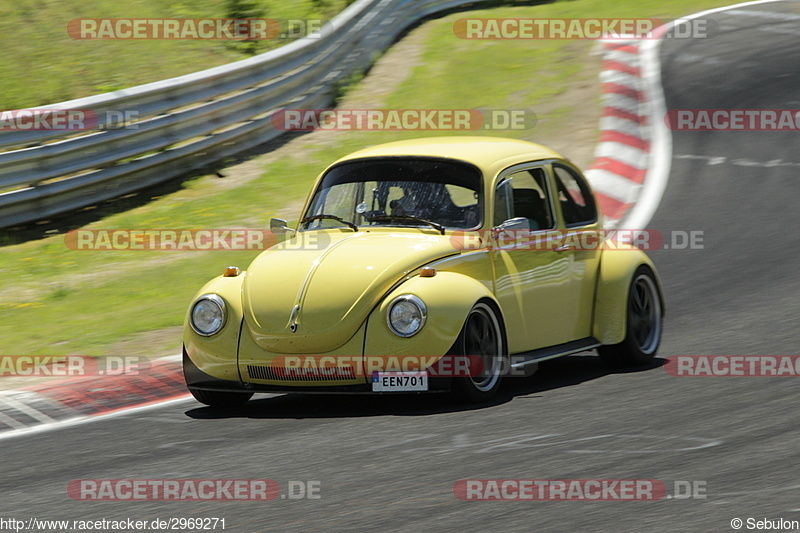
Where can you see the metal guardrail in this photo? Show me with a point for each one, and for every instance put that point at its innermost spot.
(188, 123)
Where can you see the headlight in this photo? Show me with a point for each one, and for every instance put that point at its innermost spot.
(208, 315)
(406, 315)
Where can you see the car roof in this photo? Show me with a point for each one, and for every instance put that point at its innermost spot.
(490, 154)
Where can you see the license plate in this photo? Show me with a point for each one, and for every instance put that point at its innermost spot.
(399, 381)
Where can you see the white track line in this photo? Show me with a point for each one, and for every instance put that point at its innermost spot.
(61, 424)
(50, 424)
(22, 407)
(11, 422)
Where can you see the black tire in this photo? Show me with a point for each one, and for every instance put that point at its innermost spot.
(482, 336)
(643, 323)
(221, 399)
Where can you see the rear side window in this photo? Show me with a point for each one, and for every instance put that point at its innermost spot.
(577, 202)
(524, 195)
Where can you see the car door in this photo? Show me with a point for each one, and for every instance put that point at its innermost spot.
(580, 226)
(532, 279)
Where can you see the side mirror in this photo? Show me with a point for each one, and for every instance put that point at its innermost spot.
(513, 224)
(278, 225)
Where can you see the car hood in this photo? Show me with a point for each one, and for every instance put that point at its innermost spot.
(328, 288)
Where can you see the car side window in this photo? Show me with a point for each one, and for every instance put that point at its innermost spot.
(524, 195)
(577, 202)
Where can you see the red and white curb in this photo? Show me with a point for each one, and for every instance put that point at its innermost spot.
(622, 155)
(634, 155)
(71, 401)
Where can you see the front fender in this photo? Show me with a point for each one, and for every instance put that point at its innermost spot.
(448, 296)
(617, 267)
(216, 355)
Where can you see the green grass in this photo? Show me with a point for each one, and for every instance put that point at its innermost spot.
(60, 301)
(42, 64)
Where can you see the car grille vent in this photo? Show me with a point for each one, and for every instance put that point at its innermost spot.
(300, 374)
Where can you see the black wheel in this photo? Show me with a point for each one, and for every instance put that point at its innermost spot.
(643, 329)
(221, 399)
(482, 336)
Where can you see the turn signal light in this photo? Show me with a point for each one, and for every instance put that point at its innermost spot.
(231, 272)
(427, 272)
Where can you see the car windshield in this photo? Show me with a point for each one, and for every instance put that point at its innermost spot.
(397, 191)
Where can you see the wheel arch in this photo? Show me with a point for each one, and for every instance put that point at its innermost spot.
(617, 268)
(448, 297)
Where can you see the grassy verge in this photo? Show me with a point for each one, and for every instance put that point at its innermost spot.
(42, 64)
(59, 301)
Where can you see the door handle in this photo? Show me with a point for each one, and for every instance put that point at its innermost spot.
(563, 248)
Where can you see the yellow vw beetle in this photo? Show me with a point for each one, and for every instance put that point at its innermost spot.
(438, 264)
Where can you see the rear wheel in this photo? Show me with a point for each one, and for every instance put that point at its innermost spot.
(221, 399)
(643, 323)
(481, 337)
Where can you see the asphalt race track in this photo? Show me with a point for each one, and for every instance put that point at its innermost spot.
(390, 463)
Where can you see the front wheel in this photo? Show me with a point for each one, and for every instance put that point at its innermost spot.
(482, 336)
(643, 323)
(220, 399)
